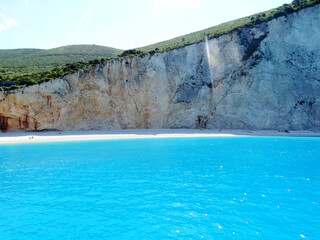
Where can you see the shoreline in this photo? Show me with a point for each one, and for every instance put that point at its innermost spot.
(54, 136)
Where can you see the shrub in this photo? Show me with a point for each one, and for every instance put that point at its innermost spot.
(13, 87)
(130, 52)
(26, 81)
(71, 66)
(288, 9)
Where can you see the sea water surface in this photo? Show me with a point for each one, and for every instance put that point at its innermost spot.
(166, 188)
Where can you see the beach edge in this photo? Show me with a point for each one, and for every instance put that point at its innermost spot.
(54, 136)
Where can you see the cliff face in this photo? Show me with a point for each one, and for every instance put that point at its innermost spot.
(265, 77)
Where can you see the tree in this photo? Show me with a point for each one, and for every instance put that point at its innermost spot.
(296, 3)
(130, 52)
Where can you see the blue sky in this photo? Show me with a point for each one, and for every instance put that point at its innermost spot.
(121, 24)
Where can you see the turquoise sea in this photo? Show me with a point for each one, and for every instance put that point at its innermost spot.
(166, 188)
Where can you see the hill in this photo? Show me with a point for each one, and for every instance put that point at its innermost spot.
(235, 25)
(32, 66)
(26, 61)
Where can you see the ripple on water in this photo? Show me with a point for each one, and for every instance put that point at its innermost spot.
(211, 188)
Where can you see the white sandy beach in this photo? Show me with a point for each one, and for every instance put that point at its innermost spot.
(51, 136)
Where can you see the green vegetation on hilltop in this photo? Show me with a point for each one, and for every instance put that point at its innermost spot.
(128, 53)
(31, 66)
(26, 61)
(235, 25)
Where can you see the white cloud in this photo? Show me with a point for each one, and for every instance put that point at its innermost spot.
(87, 14)
(26, 2)
(7, 22)
(177, 3)
(2, 27)
(84, 21)
(10, 22)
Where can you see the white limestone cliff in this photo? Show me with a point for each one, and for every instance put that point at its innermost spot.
(265, 77)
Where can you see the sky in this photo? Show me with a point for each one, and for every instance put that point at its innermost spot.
(123, 24)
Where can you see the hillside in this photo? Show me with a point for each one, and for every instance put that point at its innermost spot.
(265, 77)
(235, 25)
(26, 61)
(31, 66)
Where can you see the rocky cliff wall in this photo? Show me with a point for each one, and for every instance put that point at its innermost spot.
(265, 77)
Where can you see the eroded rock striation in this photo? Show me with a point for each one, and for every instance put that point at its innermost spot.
(264, 77)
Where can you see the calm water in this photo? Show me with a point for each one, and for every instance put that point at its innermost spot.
(179, 188)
